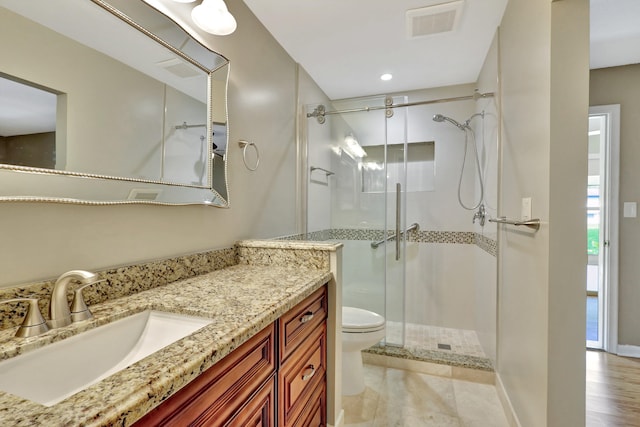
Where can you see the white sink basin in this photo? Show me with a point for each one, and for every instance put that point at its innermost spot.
(56, 371)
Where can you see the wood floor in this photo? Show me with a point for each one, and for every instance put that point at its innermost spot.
(612, 390)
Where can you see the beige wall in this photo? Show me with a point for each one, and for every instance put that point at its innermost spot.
(541, 276)
(621, 85)
(567, 229)
(43, 240)
(315, 150)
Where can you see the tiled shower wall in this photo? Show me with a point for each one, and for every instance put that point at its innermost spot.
(442, 271)
(485, 243)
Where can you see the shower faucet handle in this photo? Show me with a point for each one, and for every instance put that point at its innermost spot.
(481, 215)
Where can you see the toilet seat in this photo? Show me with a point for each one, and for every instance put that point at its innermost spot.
(357, 320)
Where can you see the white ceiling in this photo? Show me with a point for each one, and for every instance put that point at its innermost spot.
(345, 45)
(615, 33)
(25, 109)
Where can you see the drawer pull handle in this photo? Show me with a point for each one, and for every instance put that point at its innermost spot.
(310, 372)
(307, 316)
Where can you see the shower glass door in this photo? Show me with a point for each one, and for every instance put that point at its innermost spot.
(367, 205)
(396, 184)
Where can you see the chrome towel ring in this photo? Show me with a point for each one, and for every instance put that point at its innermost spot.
(244, 144)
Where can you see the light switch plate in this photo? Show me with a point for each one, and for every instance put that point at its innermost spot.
(630, 209)
(525, 213)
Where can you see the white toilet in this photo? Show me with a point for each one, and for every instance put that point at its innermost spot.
(360, 329)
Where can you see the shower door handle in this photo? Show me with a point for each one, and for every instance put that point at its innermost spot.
(398, 193)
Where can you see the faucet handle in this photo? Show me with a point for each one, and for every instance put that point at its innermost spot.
(79, 309)
(33, 323)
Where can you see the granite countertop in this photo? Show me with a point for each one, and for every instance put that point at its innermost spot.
(241, 300)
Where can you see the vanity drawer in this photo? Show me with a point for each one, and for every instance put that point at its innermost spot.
(301, 375)
(301, 320)
(314, 414)
(215, 397)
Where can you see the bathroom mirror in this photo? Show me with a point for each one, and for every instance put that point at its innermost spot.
(109, 102)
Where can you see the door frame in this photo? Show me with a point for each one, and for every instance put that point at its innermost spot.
(610, 212)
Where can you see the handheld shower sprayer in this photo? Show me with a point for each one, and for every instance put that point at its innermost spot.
(440, 118)
(465, 127)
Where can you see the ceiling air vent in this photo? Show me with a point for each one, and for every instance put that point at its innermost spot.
(180, 68)
(436, 19)
(146, 194)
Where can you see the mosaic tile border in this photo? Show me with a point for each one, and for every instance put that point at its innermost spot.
(316, 236)
(121, 281)
(357, 234)
(458, 237)
(485, 243)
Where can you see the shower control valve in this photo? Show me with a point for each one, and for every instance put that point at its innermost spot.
(480, 215)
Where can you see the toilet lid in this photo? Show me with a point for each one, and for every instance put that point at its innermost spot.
(359, 320)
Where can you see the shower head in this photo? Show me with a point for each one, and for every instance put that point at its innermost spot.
(440, 118)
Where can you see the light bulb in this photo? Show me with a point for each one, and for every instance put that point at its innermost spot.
(213, 17)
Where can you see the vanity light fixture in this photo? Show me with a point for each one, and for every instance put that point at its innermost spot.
(386, 77)
(213, 17)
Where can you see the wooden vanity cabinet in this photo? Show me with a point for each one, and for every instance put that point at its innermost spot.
(253, 387)
(228, 389)
(302, 363)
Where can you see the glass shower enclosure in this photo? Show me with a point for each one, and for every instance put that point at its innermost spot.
(363, 176)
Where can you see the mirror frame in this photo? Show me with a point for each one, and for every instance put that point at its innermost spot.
(193, 194)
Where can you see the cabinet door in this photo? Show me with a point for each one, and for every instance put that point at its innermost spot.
(314, 414)
(214, 397)
(260, 410)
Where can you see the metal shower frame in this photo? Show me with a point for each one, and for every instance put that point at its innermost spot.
(320, 111)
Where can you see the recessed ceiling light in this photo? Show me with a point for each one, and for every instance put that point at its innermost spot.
(386, 77)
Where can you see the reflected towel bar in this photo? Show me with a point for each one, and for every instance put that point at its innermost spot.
(184, 125)
(531, 223)
(327, 174)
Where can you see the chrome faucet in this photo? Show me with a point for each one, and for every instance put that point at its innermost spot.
(59, 312)
(481, 215)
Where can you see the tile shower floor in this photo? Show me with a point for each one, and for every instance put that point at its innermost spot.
(396, 397)
(455, 347)
(430, 337)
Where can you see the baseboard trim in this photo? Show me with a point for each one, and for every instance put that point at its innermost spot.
(628, 350)
(509, 412)
(339, 420)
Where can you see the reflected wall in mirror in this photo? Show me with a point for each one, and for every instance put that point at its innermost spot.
(109, 102)
(27, 124)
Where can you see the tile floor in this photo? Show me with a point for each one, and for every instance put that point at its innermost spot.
(396, 397)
